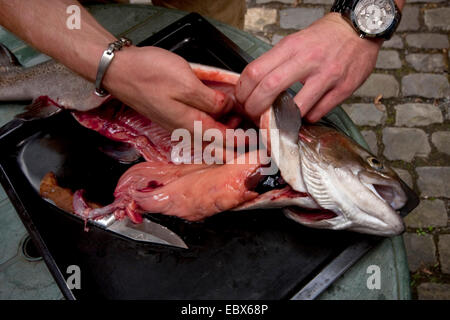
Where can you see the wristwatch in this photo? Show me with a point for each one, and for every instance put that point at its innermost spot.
(370, 18)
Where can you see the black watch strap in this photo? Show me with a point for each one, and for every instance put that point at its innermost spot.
(341, 6)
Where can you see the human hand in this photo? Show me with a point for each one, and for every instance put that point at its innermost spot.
(161, 86)
(328, 58)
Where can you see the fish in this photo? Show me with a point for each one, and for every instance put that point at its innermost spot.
(337, 184)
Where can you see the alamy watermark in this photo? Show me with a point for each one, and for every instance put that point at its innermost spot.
(73, 22)
(238, 146)
(73, 281)
(374, 280)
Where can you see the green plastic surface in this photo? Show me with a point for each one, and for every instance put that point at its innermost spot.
(139, 22)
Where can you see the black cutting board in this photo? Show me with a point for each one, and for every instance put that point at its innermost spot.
(233, 255)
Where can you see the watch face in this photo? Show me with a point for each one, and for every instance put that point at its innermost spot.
(374, 16)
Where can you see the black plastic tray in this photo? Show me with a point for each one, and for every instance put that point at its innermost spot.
(233, 255)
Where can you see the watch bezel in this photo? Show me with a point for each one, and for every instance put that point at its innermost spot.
(386, 33)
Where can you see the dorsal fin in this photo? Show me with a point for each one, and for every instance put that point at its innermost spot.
(7, 59)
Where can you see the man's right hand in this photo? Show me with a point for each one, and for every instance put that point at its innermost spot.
(161, 86)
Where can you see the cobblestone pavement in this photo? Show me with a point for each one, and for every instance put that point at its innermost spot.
(409, 127)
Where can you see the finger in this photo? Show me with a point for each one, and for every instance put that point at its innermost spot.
(331, 99)
(199, 96)
(257, 70)
(196, 122)
(273, 83)
(312, 91)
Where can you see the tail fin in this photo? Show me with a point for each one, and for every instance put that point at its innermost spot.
(7, 59)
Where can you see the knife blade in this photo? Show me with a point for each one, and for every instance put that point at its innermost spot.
(285, 148)
(334, 270)
(287, 117)
(147, 231)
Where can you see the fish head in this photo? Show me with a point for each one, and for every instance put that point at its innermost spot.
(364, 194)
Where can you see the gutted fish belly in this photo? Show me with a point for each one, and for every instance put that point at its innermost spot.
(333, 184)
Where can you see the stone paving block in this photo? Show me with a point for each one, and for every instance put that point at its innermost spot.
(398, 146)
(420, 250)
(329, 2)
(425, 1)
(395, 42)
(28, 280)
(405, 176)
(276, 38)
(444, 252)
(11, 231)
(417, 114)
(377, 84)
(371, 139)
(299, 18)
(437, 18)
(410, 19)
(388, 59)
(441, 141)
(429, 213)
(433, 291)
(427, 40)
(257, 18)
(365, 114)
(425, 85)
(434, 181)
(426, 62)
(268, 1)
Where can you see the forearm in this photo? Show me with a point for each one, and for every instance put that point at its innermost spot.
(42, 24)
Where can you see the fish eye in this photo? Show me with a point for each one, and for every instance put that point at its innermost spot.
(375, 163)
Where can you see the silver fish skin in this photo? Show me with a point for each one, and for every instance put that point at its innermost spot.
(51, 79)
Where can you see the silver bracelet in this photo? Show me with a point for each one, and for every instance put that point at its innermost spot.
(105, 61)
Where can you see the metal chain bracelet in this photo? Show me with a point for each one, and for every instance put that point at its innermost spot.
(105, 61)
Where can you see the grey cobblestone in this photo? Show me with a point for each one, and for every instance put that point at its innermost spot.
(425, 1)
(433, 291)
(276, 38)
(405, 176)
(427, 40)
(268, 1)
(365, 114)
(441, 141)
(426, 62)
(395, 42)
(329, 2)
(433, 181)
(398, 146)
(420, 250)
(371, 139)
(444, 252)
(257, 18)
(437, 18)
(410, 19)
(429, 213)
(388, 59)
(299, 18)
(425, 85)
(376, 84)
(417, 114)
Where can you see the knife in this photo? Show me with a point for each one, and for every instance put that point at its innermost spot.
(288, 121)
(334, 270)
(287, 117)
(147, 231)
